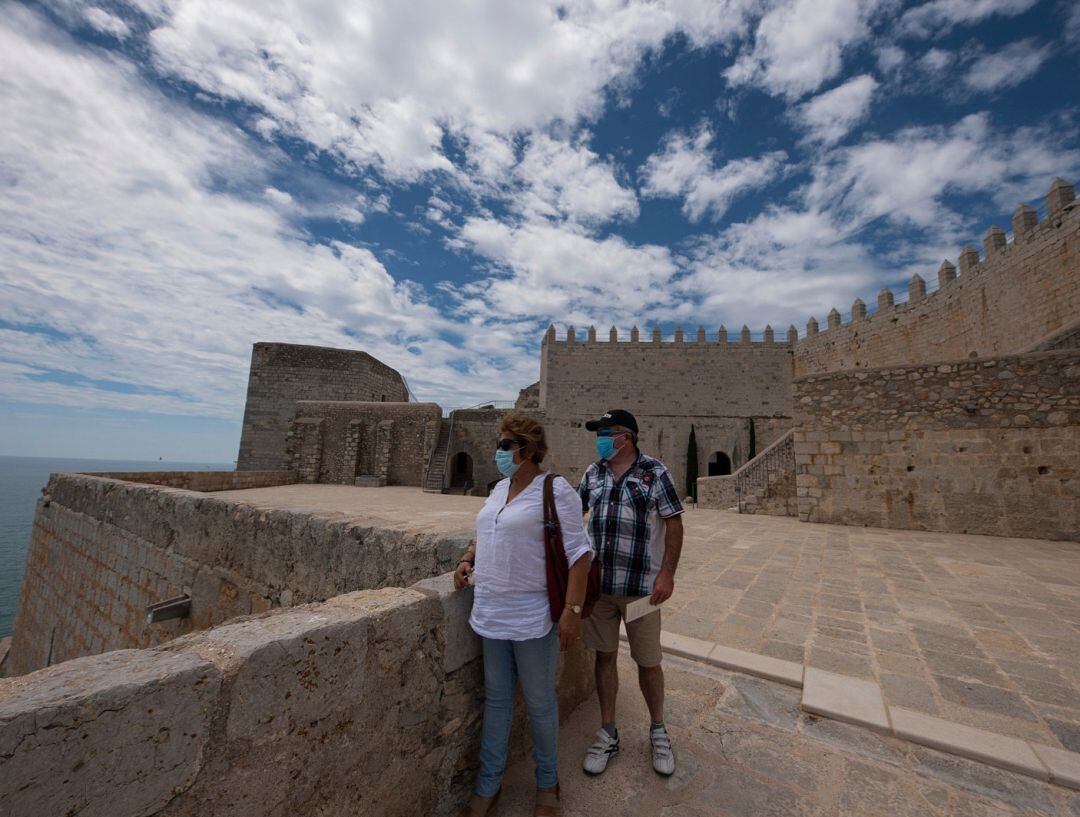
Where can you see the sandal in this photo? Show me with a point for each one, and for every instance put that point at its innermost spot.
(480, 806)
(547, 803)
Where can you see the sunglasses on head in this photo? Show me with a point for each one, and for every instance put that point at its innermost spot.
(508, 445)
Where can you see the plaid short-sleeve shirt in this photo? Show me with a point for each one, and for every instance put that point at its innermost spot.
(626, 522)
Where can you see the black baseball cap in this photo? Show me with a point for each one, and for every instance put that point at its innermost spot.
(615, 417)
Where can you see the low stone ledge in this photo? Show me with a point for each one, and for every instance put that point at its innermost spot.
(460, 644)
(112, 734)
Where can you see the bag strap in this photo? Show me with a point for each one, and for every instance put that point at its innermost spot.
(551, 513)
(556, 556)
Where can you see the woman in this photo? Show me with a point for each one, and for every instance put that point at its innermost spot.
(511, 612)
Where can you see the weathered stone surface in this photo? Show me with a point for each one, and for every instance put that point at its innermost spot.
(460, 643)
(114, 734)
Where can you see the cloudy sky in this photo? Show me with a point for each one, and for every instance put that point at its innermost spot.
(435, 182)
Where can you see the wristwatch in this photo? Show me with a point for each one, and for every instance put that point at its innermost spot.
(576, 608)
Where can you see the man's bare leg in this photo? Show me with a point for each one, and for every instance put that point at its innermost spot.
(651, 680)
(607, 684)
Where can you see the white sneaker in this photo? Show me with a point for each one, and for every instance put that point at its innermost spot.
(663, 758)
(605, 748)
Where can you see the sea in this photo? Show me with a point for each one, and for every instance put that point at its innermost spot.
(21, 481)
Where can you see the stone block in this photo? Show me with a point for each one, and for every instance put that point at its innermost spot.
(119, 733)
(460, 644)
(764, 666)
(967, 741)
(1063, 765)
(844, 698)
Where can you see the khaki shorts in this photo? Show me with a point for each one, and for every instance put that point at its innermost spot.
(601, 630)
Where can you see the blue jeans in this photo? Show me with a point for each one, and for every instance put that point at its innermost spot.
(532, 661)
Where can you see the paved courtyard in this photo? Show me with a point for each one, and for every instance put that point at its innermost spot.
(745, 750)
(979, 630)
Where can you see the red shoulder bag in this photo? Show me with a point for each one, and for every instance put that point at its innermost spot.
(558, 569)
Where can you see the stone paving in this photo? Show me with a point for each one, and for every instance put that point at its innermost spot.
(745, 750)
(980, 630)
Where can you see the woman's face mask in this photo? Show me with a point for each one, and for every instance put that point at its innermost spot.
(504, 461)
(505, 451)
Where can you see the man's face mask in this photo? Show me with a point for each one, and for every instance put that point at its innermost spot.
(605, 446)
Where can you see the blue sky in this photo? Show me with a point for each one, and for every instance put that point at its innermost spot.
(435, 182)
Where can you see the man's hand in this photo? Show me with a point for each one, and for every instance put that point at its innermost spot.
(569, 629)
(461, 575)
(663, 587)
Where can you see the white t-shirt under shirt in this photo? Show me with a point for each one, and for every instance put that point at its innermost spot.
(510, 599)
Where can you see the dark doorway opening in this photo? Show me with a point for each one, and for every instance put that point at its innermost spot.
(461, 471)
(719, 464)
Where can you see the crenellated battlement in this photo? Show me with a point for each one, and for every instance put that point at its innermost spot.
(766, 338)
(1008, 298)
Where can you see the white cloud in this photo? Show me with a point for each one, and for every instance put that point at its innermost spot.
(557, 270)
(564, 180)
(829, 116)
(779, 267)
(940, 16)
(1007, 68)
(890, 58)
(685, 168)
(904, 179)
(118, 237)
(936, 61)
(106, 23)
(799, 44)
(381, 84)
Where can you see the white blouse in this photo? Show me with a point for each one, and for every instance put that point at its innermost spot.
(510, 599)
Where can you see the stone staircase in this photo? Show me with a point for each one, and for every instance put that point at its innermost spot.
(436, 471)
(766, 484)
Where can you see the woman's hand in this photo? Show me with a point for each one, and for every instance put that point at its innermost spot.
(569, 629)
(461, 575)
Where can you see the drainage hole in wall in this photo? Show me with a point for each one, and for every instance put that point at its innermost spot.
(911, 467)
(1027, 449)
(1043, 469)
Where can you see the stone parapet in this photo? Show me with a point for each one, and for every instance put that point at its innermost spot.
(204, 481)
(358, 705)
(1017, 294)
(101, 550)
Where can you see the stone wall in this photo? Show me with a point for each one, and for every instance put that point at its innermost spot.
(283, 373)
(369, 703)
(362, 443)
(980, 446)
(1017, 295)
(718, 385)
(101, 550)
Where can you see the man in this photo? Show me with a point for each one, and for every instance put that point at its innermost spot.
(637, 533)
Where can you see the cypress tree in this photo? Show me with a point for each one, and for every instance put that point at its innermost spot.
(691, 465)
(753, 441)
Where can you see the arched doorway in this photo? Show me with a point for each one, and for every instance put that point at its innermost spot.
(461, 471)
(719, 464)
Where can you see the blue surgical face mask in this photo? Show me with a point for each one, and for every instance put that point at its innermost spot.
(605, 447)
(504, 461)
